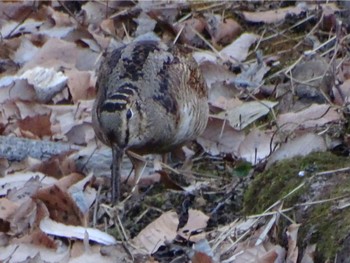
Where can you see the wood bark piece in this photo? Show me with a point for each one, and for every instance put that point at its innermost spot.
(16, 149)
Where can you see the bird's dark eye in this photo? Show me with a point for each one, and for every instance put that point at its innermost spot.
(129, 114)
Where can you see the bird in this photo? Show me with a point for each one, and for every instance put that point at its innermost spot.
(150, 99)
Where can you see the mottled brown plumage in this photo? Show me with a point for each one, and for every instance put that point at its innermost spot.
(149, 100)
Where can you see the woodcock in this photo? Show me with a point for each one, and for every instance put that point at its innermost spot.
(149, 100)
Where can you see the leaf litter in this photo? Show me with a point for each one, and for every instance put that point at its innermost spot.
(61, 192)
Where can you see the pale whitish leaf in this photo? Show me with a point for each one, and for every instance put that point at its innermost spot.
(315, 115)
(12, 88)
(83, 194)
(309, 254)
(251, 255)
(252, 77)
(164, 229)
(341, 93)
(18, 180)
(278, 15)
(87, 59)
(300, 146)
(94, 12)
(245, 114)
(238, 50)
(6, 252)
(223, 101)
(14, 28)
(189, 29)
(7, 80)
(202, 56)
(221, 30)
(216, 73)
(292, 235)
(256, 146)
(31, 109)
(263, 236)
(156, 233)
(33, 253)
(57, 32)
(92, 43)
(272, 16)
(8, 208)
(81, 133)
(197, 221)
(25, 52)
(51, 227)
(144, 24)
(219, 138)
(66, 122)
(55, 53)
(78, 84)
(46, 82)
(98, 257)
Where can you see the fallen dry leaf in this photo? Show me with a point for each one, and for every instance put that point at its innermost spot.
(45, 81)
(214, 73)
(226, 103)
(19, 179)
(243, 115)
(257, 146)
(79, 84)
(56, 54)
(23, 252)
(25, 218)
(278, 15)
(188, 30)
(51, 227)
(39, 125)
(272, 16)
(11, 27)
(309, 254)
(67, 181)
(25, 52)
(145, 24)
(342, 93)
(292, 234)
(222, 30)
(196, 223)
(161, 230)
(38, 238)
(202, 56)
(314, 116)
(12, 88)
(61, 206)
(200, 257)
(21, 194)
(7, 208)
(299, 146)
(219, 138)
(237, 51)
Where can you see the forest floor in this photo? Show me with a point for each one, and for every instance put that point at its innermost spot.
(267, 181)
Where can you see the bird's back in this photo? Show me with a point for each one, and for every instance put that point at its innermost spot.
(149, 99)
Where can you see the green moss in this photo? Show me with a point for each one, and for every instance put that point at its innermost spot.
(322, 223)
(272, 185)
(332, 225)
(242, 169)
(282, 177)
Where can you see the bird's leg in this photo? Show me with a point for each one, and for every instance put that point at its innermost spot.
(117, 155)
(139, 164)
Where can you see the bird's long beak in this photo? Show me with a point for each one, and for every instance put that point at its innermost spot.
(117, 154)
